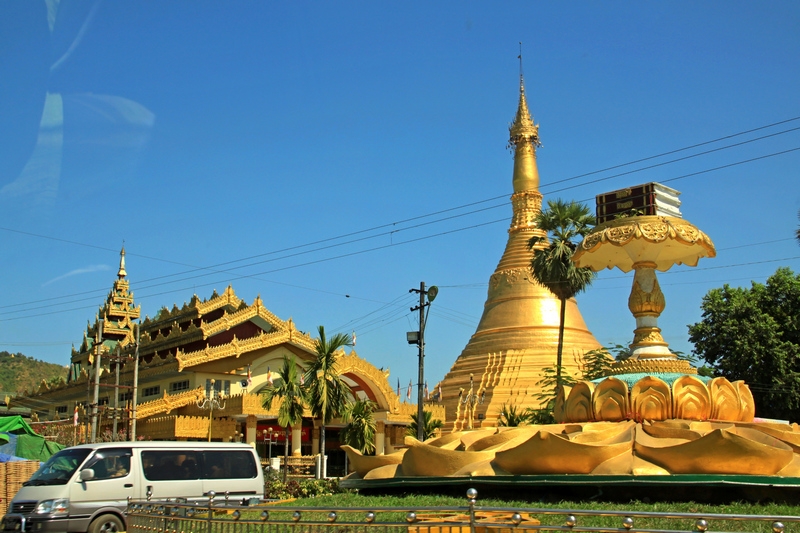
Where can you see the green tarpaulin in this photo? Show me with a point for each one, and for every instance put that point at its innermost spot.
(29, 444)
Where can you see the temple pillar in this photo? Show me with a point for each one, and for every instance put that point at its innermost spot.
(315, 439)
(297, 435)
(380, 437)
(388, 446)
(251, 429)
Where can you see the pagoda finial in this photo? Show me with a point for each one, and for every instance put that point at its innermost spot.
(121, 274)
(523, 140)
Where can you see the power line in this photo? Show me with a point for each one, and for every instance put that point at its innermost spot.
(94, 292)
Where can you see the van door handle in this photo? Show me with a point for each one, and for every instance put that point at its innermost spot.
(128, 485)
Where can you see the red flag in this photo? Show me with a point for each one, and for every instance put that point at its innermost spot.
(408, 394)
(75, 416)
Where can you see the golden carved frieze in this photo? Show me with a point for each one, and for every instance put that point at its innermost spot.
(659, 366)
(168, 403)
(351, 363)
(227, 298)
(653, 230)
(526, 205)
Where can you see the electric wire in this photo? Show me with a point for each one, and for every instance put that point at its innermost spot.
(393, 224)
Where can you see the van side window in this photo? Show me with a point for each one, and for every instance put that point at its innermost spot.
(110, 463)
(229, 464)
(161, 465)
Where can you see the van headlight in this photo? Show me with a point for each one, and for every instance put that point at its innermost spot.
(53, 507)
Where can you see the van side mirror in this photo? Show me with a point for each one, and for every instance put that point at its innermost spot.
(87, 474)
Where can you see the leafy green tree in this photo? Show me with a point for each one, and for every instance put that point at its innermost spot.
(753, 334)
(511, 417)
(566, 223)
(327, 393)
(288, 390)
(429, 427)
(597, 363)
(360, 429)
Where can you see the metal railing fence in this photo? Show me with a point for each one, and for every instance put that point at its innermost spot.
(225, 516)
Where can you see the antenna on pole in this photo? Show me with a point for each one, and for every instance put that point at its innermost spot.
(520, 59)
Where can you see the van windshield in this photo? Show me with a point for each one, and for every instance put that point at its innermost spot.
(58, 470)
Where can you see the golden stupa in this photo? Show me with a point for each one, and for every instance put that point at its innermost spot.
(518, 333)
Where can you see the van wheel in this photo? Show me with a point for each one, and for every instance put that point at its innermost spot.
(107, 523)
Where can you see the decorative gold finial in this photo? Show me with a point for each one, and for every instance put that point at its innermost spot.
(523, 129)
(121, 274)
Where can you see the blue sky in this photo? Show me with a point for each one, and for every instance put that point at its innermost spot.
(301, 151)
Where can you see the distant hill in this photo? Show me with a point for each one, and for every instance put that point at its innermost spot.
(19, 372)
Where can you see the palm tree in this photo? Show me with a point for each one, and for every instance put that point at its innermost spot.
(328, 394)
(429, 426)
(797, 232)
(288, 389)
(565, 224)
(360, 430)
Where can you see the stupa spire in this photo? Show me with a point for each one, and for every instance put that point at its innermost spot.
(121, 274)
(524, 139)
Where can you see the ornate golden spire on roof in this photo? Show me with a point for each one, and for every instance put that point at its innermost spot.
(524, 138)
(121, 274)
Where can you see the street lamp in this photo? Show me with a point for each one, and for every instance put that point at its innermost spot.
(418, 338)
(211, 402)
(269, 438)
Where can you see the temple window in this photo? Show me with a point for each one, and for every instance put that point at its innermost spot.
(151, 391)
(177, 386)
(221, 386)
(61, 409)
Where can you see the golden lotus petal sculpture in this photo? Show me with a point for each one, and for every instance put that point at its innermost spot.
(610, 400)
(385, 472)
(746, 398)
(651, 399)
(665, 430)
(362, 464)
(578, 407)
(692, 399)
(546, 453)
(720, 452)
(425, 460)
(725, 401)
(503, 438)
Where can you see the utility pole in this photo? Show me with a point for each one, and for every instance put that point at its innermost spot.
(135, 389)
(98, 346)
(418, 338)
(117, 361)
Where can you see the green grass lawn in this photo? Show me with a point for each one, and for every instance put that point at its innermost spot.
(342, 502)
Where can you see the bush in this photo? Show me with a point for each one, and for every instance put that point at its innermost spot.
(276, 489)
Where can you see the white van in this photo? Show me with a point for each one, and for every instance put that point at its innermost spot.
(85, 488)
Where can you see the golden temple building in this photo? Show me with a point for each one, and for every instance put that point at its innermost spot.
(239, 346)
(517, 335)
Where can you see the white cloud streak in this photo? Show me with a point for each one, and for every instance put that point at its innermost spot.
(77, 272)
